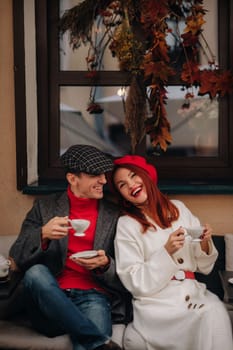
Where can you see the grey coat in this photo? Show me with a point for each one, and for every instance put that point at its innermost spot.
(27, 251)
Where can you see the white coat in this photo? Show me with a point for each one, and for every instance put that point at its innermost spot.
(170, 314)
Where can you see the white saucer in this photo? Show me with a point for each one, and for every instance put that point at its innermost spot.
(230, 280)
(85, 254)
(196, 240)
(79, 234)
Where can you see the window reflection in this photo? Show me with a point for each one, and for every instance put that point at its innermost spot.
(72, 60)
(194, 128)
(103, 130)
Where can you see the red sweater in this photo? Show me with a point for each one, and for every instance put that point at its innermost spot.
(73, 275)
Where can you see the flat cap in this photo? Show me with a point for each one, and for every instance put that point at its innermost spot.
(87, 159)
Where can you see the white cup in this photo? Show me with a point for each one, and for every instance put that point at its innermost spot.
(79, 225)
(4, 267)
(195, 232)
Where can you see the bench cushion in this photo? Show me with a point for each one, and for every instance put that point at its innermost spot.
(18, 336)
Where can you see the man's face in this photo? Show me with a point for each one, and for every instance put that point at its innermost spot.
(87, 186)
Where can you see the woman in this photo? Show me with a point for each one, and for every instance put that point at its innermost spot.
(156, 262)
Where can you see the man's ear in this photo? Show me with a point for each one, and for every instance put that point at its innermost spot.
(70, 177)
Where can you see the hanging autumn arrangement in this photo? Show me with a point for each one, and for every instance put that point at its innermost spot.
(135, 31)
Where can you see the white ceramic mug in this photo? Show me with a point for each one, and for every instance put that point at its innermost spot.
(4, 267)
(79, 225)
(195, 232)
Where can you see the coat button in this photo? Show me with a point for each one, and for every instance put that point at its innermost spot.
(180, 260)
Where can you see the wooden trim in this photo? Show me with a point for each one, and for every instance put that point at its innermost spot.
(42, 56)
(20, 93)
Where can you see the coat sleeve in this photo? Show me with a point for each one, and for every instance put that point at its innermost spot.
(204, 262)
(141, 276)
(27, 249)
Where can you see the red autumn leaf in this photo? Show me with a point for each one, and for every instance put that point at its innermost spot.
(105, 13)
(158, 70)
(225, 83)
(189, 39)
(194, 23)
(190, 73)
(152, 11)
(208, 84)
(159, 132)
(160, 49)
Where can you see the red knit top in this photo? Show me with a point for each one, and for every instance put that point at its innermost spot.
(73, 275)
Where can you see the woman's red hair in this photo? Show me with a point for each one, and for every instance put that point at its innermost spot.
(159, 207)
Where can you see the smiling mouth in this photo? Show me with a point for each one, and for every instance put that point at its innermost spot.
(99, 189)
(136, 192)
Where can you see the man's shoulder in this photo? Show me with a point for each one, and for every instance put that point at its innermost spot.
(109, 205)
(52, 198)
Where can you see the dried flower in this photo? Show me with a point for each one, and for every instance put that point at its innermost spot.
(135, 31)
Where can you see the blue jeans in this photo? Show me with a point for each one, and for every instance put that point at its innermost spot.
(83, 314)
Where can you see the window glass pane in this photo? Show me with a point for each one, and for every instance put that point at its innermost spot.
(76, 59)
(194, 127)
(104, 130)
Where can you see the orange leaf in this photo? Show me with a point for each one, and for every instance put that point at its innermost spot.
(225, 83)
(194, 23)
(208, 81)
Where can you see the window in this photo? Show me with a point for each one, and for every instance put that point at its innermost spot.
(202, 151)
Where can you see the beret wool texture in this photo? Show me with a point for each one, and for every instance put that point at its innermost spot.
(86, 159)
(139, 162)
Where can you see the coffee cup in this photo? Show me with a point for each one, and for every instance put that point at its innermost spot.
(4, 267)
(79, 225)
(195, 232)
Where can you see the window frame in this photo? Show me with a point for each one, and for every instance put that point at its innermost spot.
(174, 171)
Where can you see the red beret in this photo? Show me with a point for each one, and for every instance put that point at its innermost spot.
(139, 162)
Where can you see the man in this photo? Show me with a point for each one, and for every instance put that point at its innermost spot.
(78, 296)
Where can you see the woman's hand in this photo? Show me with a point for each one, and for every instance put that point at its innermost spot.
(175, 241)
(205, 238)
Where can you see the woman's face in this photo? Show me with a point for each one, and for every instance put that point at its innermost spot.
(130, 186)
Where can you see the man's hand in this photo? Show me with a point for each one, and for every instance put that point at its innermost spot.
(56, 228)
(100, 261)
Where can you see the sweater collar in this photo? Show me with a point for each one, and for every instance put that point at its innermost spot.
(81, 203)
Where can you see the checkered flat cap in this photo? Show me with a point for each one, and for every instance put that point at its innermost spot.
(87, 159)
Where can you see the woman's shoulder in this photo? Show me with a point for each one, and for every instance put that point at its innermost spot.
(179, 204)
(128, 228)
(127, 220)
(182, 207)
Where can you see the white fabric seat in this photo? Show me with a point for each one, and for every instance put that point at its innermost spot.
(133, 340)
